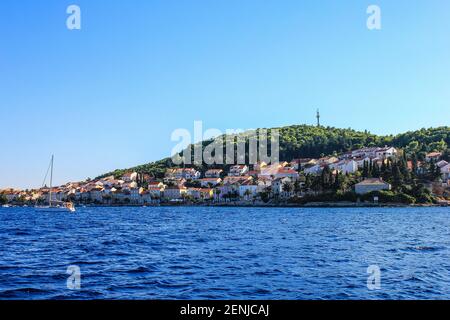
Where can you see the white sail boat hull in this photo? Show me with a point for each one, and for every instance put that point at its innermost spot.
(53, 209)
(65, 207)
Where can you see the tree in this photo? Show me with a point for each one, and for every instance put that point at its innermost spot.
(366, 170)
(446, 155)
(412, 147)
(397, 178)
(434, 172)
(437, 146)
(217, 191)
(339, 182)
(325, 178)
(288, 187)
(309, 180)
(3, 199)
(383, 169)
(265, 196)
(375, 170)
(403, 166)
(414, 165)
(297, 186)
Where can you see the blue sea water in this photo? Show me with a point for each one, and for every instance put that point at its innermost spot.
(225, 253)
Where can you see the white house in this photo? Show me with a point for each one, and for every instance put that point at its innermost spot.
(155, 192)
(286, 173)
(277, 185)
(315, 169)
(445, 170)
(259, 166)
(278, 188)
(327, 160)
(227, 189)
(201, 193)
(112, 183)
(180, 173)
(372, 184)
(233, 179)
(11, 195)
(122, 196)
(57, 195)
(372, 152)
(364, 152)
(345, 166)
(174, 192)
(156, 184)
(263, 183)
(170, 174)
(238, 170)
(271, 170)
(130, 185)
(135, 195)
(190, 174)
(213, 173)
(129, 176)
(96, 194)
(297, 164)
(361, 160)
(441, 163)
(146, 197)
(206, 182)
(248, 190)
(386, 152)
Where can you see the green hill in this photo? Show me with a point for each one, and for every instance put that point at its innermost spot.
(303, 141)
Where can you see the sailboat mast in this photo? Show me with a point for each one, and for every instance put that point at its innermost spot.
(51, 182)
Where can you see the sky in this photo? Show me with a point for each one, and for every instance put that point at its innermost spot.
(110, 95)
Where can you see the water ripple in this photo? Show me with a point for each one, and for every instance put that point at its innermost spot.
(225, 253)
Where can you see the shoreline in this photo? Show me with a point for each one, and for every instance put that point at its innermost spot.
(260, 205)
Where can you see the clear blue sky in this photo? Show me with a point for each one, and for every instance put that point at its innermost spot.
(109, 96)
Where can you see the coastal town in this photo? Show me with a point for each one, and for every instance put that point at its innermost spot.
(352, 175)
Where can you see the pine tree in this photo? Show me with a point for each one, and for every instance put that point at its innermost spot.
(446, 155)
(432, 171)
(375, 170)
(397, 178)
(403, 166)
(365, 172)
(339, 181)
(383, 169)
(414, 165)
(437, 173)
(325, 178)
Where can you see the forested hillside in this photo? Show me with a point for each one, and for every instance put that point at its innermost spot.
(303, 141)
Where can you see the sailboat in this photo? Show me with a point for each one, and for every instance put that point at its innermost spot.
(54, 205)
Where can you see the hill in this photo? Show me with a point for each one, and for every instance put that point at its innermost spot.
(303, 141)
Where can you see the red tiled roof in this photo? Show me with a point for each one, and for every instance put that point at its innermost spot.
(433, 154)
(287, 171)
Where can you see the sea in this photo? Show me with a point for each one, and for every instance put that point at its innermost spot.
(225, 253)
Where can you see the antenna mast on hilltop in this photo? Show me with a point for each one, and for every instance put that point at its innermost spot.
(318, 118)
